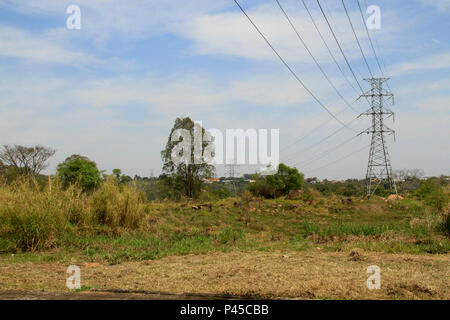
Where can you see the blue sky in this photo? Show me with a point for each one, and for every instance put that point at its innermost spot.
(113, 89)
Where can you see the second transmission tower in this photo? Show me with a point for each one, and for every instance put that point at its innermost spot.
(379, 170)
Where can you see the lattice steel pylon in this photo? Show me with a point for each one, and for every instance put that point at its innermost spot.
(379, 170)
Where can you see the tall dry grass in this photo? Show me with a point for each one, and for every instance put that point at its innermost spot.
(34, 217)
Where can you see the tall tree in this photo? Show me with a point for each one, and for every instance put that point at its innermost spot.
(186, 157)
(26, 160)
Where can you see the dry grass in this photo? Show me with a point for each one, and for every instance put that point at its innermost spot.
(311, 274)
(33, 217)
(229, 246)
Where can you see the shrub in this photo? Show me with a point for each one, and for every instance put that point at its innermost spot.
(36, 219)
(116, 208)
(228, 235)
(444, 225)
(437, 199)
(279, 184)
(310, 194)
(433, 194)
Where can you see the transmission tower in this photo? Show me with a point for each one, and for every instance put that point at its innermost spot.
(231, 169)
(379, 170)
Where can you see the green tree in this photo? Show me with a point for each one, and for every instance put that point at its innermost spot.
(283, 181)
(185, 166)
(123, 179)
(81, 170)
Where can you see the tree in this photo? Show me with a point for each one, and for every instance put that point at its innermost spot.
(122, 178)
(290, 177)
(283, 181)
(26, 160)
(185, 163)
(81, 170)
(408, 179)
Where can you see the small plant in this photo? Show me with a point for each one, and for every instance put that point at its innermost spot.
(444, 225)
(230, 236)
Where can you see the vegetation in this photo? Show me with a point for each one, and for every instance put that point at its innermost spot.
(34, 219)
(83, 214)
(116, 223)
(279, 184)
(20, 160)
(184, 168)
(80, 170)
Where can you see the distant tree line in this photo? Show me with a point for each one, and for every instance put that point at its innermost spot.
(186, 179)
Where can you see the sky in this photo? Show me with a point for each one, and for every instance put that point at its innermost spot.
(112, 89)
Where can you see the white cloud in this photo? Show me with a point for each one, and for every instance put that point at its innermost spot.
(441, 5)
(193, 93)
(230, 33)
(435, 104)
(51, 46)
(212, 32)
(97, 116)
(22, 44)
(429, 63)
(131, 19)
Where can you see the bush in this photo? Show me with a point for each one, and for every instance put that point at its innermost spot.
(310, 194)
(32, 218)
(36, 219)
(444, 225)
(116, 208)
(228, 236)
(433, 194)
(279, 184)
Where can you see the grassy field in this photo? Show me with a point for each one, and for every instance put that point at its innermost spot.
(242, 246)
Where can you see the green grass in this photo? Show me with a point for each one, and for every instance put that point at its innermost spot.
(169, 228)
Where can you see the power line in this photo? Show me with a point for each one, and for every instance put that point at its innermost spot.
(318, 143)
(289, 68)
(339, 45)
(379, 49)
(326, 45)
(371, 44)
(337, 29)
(356, 37)
(376, 42)
(326, 152)
(340, 159)
(370, 39)
(302, 137)
(312, 56)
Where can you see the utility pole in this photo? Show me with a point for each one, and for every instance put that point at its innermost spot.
(379, 170)
(231, 171)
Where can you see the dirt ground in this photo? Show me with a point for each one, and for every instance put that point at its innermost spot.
(287, 275)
